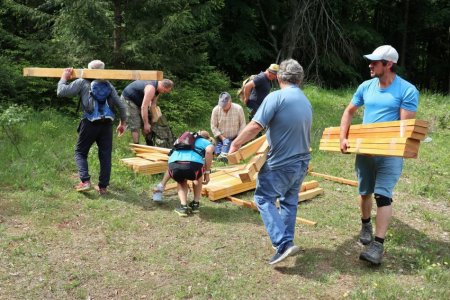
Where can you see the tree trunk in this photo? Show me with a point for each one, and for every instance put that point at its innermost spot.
(404, 35)
(117, 35)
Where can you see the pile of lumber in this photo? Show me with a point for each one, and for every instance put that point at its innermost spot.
(396, 138)
(225, 183)
(148, 160)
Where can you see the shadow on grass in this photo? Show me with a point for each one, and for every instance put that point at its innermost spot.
(218, 211)
(406, 251)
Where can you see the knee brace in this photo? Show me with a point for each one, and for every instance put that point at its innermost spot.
(382, 200)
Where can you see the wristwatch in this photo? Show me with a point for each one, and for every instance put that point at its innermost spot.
(208, 172)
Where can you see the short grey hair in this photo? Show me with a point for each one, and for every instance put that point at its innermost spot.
(291, 71)
(96, 64)
(167, 83)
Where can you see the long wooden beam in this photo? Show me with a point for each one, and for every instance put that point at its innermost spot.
(334, 178)
(96, 73)
(252, 205)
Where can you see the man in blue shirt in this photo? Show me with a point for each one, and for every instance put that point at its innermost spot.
(386, 97)
(287, 115)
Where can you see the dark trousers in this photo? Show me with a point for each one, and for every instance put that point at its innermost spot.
(99, 132)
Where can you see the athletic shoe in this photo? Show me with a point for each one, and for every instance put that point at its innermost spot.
(374, 253)
(289, 249)
(101, 191)
(194, 206)
(366, 235)
(158, 192)
(83, 186)
(182, 211)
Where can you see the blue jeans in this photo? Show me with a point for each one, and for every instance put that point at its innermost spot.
(283, 183)
(222, 146)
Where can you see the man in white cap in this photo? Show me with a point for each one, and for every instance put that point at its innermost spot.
(258, 88)
(386, 97)
(227, 121)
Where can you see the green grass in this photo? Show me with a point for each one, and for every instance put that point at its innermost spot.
(58, 244)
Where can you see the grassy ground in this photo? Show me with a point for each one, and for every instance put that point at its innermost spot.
(58, 244)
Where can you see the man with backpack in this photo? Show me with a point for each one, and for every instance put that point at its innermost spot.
(190, 159)
(256, 89)
(139, 96)
(96, 96)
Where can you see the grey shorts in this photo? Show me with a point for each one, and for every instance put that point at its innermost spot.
(378, 174)
(134, 119)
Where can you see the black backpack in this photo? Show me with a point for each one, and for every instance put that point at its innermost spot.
(186, 141)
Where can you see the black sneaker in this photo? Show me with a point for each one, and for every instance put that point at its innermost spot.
(194, 206)
(182, 211)
(289, 249)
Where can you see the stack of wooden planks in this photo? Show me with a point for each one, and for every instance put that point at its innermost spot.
(396, 138)
(148, 160)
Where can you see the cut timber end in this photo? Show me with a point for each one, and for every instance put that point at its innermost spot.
(95, 73)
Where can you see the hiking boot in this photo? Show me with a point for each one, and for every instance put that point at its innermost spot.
(194, 206)
(101, 191)
(366, 235)
(83, 186)
(373, 254)
(223, 157)
(158, 192)
(289, 249)
(182, 211)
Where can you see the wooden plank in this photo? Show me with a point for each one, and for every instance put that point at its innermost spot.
(246, 151)
(413, 135)
(370, 140)
(96, 73)
(399, 129)
(252, 168)
(309, 194)
(411, 145)
(380, 152)
(153, 156)
(252, 205)
(145, 148)
(408, 122)
(156, 113)
(335, 179)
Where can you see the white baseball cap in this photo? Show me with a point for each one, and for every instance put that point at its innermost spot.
(385, 52)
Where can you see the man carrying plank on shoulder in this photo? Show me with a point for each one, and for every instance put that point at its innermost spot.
(386, 97)
(96, 123)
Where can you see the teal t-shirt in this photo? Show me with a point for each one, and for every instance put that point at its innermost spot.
(191, 155)
(384, 104)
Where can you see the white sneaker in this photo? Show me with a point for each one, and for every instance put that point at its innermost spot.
(158, 192)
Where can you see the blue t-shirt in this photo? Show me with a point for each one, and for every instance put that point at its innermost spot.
(384, 104)
(261, 90)
(288, 115)
(191, 155)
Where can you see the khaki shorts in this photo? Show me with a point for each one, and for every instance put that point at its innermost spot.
(134, 119)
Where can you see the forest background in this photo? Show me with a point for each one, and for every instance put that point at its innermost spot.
(210, 46)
